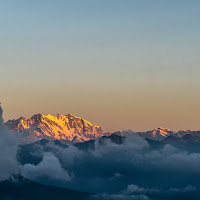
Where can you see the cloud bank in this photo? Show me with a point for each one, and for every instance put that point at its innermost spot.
(131, 170)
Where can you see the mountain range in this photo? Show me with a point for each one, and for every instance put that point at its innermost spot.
(70, 129)
(60, 127)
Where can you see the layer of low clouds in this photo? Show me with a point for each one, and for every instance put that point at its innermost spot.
(131, 170)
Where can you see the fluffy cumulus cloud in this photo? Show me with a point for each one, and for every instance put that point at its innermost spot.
(134, 189)
(8, 150)
(49, 169)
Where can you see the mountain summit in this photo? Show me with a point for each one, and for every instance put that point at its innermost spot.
(157, 134)
(60, 127)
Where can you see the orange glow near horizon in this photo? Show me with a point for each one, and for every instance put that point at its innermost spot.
(112, 110)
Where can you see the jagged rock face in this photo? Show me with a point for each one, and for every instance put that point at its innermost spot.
(60, 127)
(156, 134)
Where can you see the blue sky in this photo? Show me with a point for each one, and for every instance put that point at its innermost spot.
(101, 59)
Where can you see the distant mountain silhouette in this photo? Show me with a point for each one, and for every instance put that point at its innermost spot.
(90, 145)
(26, 153)
(188, 142)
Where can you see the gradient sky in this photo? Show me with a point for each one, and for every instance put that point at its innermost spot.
(121, 64)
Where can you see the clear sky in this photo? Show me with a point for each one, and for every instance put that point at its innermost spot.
(121, 64)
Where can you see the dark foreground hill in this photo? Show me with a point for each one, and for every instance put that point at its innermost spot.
(20, 188)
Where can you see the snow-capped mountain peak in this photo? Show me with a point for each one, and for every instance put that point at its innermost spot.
(59, 127)
(157, 134)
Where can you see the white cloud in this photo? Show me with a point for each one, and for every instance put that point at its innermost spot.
(50, 168)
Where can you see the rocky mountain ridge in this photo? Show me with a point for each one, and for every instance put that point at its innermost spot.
(60, 127)
(160, 134)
